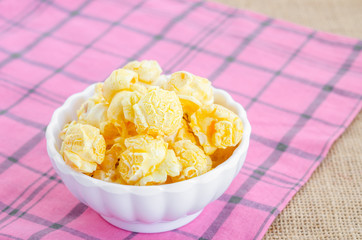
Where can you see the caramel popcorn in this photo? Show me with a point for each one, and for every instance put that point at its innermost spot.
(143, 128)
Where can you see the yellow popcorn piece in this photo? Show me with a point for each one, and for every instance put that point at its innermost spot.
(161, 81)
(193, 91)
(98, 94)
(107, 169)
(189, 104)
(112, 156)
(170, 166)
(119, 179)
(120, 79)
(184, 133)
(193, 159)
(83, 147)
(141, 157)
(113, 131)
(159, 112)
(148, 70)
(140, 88)
(94, 110)
(121, 107)
(216, 127)
(93, 114)
(131, 129)
(105, 175)
(63, 133)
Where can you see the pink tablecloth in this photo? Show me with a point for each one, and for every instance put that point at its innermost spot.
(301, 89)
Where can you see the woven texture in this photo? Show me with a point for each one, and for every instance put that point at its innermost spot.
(336, 184)
(300, 87)
(329, 206)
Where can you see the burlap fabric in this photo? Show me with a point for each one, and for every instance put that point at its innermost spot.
(329, 206)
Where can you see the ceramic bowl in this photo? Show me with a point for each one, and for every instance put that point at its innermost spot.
(146, 209)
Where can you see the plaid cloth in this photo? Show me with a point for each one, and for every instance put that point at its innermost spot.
(301, 89)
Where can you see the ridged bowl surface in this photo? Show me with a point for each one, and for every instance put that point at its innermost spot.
(145, 208)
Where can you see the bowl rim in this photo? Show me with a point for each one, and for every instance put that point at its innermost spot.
(59, 163)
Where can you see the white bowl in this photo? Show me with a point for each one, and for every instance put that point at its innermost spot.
(146, 209)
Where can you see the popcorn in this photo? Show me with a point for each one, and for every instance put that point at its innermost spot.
(159, 112)
(112, 156)
(83, 147)
(161, 81)
(107, 169)
(170, 166)
(94, 110)
(93, 114)
(121, 107)
(120, 79)
(193, 91)
(143, 128)
(131, 129)
(148, 70)
(189, 104)
(193, 159)
(108, 176)
(185, 133)
(216, 127)
(113, 132)
(98, 94)
(143, 154)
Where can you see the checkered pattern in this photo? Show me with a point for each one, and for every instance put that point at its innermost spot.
(301, 89)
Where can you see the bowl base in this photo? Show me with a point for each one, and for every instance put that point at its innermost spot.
(151, 227)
